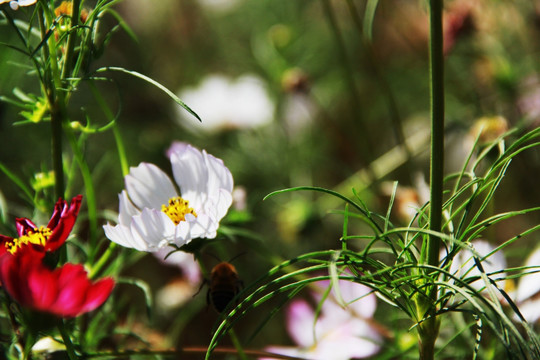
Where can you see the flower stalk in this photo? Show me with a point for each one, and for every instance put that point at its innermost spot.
(70, 349)
(429, 328)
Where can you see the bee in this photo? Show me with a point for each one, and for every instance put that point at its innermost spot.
(224, 285)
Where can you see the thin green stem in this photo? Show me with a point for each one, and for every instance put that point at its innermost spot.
(70, 349)
(436, 65)
(66, 71)
(237, 345)
(89, 190)
(56, 98)
(117, 135)
(428, 329)
(96, 268)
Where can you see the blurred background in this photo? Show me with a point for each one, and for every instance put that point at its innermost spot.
(290, 93)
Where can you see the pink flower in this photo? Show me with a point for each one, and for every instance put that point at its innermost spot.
(338, 333)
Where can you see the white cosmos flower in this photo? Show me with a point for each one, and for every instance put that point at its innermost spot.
(154, 214)
(224, 103)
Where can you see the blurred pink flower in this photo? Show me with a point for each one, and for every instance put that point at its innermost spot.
(338, 333)
(185, 261)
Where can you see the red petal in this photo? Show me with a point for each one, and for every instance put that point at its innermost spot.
(9, 275)
(78, 294)
(43, 287)
(27, 281)
(98, 293)
(24, 225)
(62, 222)
(73, 284)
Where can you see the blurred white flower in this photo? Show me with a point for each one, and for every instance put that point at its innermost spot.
(175, 294)
(152, 212)
(14, 4)
(526, 294)
(223, 104)
(463, 265)
(528, 290)
(338, 333)
(47, 345)
(219, 5)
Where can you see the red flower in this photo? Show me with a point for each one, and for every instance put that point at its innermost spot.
(42, 239)
(65, 291)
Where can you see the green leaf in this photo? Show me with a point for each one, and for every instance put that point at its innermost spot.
(153, 82)
(369, 16)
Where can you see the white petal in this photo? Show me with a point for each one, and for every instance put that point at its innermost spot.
(530, 310)
(155, 227)
(148, 186)
(123, 236)
(127, 209)
(219, 176)
(26, 2)
(529, 285)
(465, 267)
(182, 233)
(149, 231)
(176, 146)
(202, 179)
(203, 226)
(191, 174)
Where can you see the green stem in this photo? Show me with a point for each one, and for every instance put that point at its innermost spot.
(349, 77)
(70, 349)
(237, 345)
(117, 135)
(428, 329)
(89, 190)
(66, 71)
(56, 98)
(436, 65)
(95, 269)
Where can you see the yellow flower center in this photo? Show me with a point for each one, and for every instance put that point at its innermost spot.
(177, 208)
(38, 236)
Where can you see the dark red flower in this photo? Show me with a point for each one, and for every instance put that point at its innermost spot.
(42, 239)
(65, 291)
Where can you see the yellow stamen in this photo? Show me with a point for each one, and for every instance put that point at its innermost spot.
(177, 208)
(38, 236)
